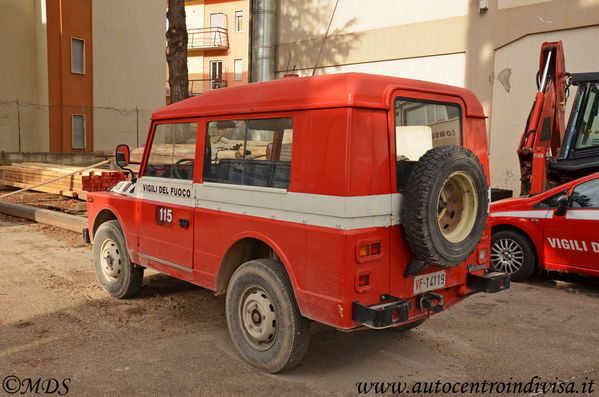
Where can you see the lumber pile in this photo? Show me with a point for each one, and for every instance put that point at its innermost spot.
(22, 175)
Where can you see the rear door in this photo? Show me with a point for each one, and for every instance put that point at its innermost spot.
(167, 198)
(572, 240)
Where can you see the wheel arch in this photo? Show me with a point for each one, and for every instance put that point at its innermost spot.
(518, 230)
(247, 247)
(104, 215)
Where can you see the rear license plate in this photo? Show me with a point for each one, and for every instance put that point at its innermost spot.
(429, 282)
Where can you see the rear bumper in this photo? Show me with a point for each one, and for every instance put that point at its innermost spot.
(392, 311)
(489, 282)
(389, 311)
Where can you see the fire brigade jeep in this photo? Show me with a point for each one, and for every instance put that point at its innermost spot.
(350, 199)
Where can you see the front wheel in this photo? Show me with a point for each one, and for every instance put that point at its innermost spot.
(115, 272)
(263, 318)
(512, 252)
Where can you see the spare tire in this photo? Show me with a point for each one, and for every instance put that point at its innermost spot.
(445, 206)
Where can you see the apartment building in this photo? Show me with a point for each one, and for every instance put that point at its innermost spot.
(489, 46)
(82, 75)
(218, 44)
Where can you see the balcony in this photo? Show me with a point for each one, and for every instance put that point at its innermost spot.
(203, 85)
(199, 86)
(215, 38)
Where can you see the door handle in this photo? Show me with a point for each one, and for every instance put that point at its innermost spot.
(183, 222)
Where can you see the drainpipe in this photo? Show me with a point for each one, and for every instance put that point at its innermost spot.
(263, 40)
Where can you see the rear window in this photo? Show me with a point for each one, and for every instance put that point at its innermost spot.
(421, 126)
(249, 152)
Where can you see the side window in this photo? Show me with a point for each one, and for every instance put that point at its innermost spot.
(585, 195)
(588, 133)
(172, 151)
(249, 152)
(550, 202)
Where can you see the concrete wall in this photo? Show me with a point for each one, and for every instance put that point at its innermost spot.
(194, 14)
(444, 69)
(194, 19)
(308, 19)
(24, 76)
(18, 63)
(129, 54)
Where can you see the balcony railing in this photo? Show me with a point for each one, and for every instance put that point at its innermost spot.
(199, 86)
(208, 39)
(203, 85)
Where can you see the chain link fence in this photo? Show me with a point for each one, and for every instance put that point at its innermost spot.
(25, 126)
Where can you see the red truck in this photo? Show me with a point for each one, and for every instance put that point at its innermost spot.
(350, 199)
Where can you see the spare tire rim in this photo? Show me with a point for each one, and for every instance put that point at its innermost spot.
(111, 260)
(457, 207)
(506, 255)
(258, 318)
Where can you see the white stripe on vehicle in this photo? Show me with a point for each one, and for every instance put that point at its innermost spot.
(583, 215)
(171, 191)
(523, 214)
(338, 212)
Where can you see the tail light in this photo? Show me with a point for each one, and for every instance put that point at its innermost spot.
(368, 250)
(362, 281)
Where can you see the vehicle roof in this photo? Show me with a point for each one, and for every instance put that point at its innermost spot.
(577, 78)
(298, 93)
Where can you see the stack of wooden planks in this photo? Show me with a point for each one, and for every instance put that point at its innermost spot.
(23, 175)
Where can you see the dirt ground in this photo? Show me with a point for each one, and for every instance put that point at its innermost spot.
(57, 322)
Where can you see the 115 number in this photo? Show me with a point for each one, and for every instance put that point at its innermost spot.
(164, 215)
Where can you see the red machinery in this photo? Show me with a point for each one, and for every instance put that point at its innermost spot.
(549, 153)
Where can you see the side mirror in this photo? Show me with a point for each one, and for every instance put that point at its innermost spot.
(122, 155)
(562, 205)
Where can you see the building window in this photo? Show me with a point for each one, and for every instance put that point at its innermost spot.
(239, 21)
(77, 56)
(216, 75)
(238, 70)
(78, 131)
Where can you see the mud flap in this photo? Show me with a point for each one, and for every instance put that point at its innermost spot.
(86, 238)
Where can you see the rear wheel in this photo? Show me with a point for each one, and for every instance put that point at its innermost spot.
(115, 272)
(512, 252)
(264, 321)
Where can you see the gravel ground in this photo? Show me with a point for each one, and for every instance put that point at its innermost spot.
(57, 323)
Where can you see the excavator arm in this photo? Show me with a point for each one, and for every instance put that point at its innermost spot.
(546, 122)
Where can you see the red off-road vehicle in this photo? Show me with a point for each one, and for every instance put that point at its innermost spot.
(350, 199)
